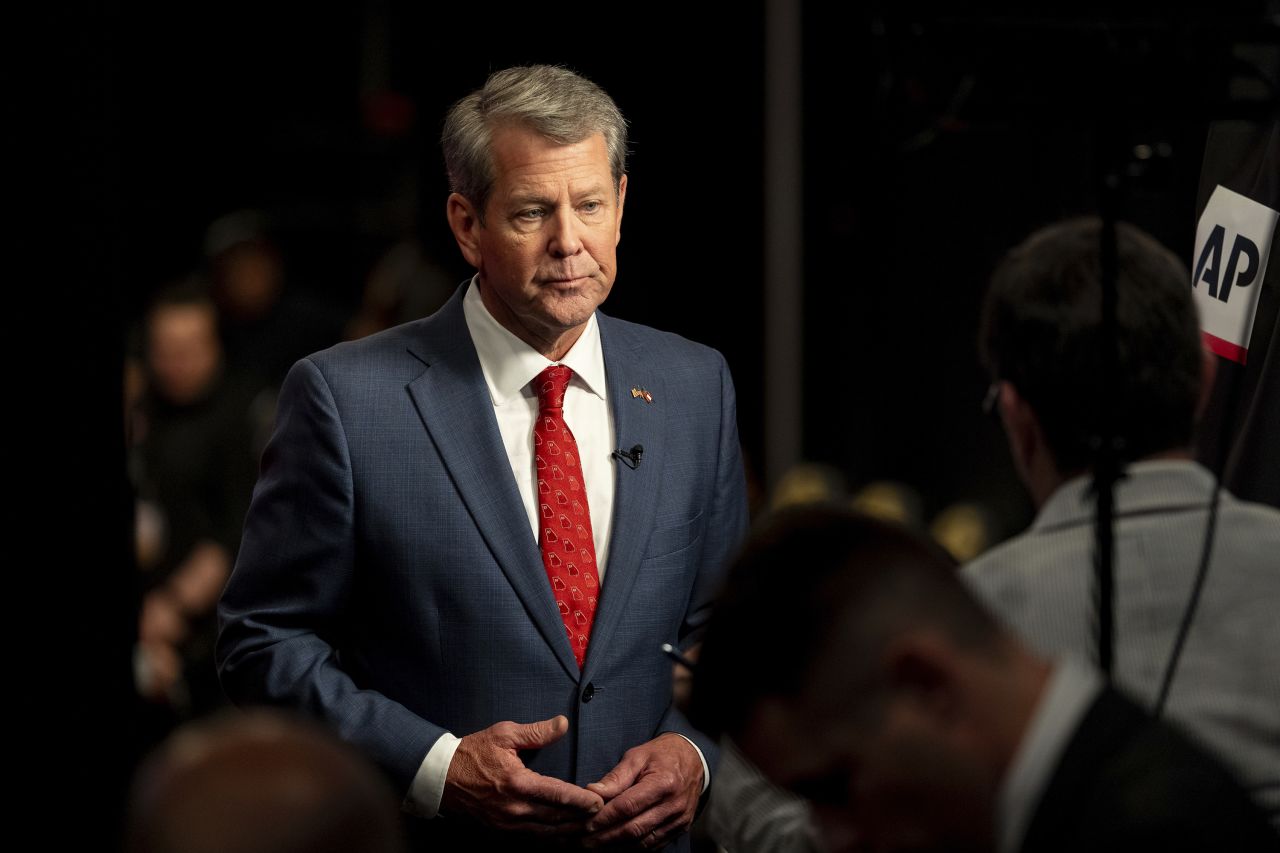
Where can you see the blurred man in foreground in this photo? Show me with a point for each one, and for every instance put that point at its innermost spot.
(874, 684)
(260, 783)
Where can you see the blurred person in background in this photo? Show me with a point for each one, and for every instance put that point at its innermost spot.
(1041, 340)
(193, 469)
(266, 323)
(403, 285)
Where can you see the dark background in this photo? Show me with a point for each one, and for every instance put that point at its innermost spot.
(934, 140)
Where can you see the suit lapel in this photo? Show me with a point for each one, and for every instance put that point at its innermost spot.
(636, 495)
(453, 401)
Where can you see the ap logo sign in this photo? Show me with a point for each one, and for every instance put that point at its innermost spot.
(1233, 242)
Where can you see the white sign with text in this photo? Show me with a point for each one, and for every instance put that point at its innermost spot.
(1233, 242)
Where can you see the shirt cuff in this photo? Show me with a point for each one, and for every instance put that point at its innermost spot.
(427, 788)
(706, 771)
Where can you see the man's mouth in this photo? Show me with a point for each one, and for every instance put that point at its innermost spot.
(565, 281)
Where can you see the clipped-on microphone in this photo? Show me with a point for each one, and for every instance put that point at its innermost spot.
(630, 458)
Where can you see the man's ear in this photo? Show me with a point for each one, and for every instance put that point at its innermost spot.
(1021, 427)
(1032, 456)
(622, 199)
(465, 224)
(923, 666)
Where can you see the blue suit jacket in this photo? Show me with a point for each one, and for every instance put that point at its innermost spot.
(388, 581)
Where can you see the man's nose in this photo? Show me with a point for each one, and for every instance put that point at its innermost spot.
(565, 238)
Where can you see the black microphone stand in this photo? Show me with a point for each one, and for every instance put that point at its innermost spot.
(1108, 443)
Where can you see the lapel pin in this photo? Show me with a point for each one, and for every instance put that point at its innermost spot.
(640, 392)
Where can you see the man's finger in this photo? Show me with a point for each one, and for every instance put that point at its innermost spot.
(634, 801)
(620, 778)
(644, 828)
(662, 833)
(651, 827)
(522, 807)
(559, 796)
(534, 735)
(551, 818)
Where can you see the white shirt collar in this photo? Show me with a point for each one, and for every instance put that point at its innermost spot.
(1067, 696)
(509, 364)
(1144, 486)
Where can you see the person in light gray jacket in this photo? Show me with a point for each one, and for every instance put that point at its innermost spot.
(1041, 340)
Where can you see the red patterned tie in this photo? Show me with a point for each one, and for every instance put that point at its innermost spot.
(564, 534)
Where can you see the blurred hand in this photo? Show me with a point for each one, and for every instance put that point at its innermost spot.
(488, 781)
(159, 670)
(650, 797)
(161, 619)
(198, 581)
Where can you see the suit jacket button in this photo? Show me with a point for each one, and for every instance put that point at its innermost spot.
(588, 692)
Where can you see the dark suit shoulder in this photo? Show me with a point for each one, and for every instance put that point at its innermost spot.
(657, 342)
(1129, 782)
(372, 346)
(399, 354)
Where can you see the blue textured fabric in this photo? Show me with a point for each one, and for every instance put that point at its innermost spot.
(388, 581)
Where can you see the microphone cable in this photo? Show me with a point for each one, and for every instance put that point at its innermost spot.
(1188, 614)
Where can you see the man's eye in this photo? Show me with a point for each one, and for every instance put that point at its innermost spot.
(531, 213)
(591, 207)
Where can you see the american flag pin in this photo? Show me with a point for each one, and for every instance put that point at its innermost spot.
(640, 392)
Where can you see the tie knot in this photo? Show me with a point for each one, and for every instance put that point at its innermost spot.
(550, 385)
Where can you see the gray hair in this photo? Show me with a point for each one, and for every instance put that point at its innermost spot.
(553, 102)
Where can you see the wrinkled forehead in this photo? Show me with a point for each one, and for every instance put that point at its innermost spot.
(534, 170)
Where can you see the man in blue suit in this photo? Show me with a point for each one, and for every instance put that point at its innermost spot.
(472, 533)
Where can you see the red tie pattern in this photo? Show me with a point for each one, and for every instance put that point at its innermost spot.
(564, 533)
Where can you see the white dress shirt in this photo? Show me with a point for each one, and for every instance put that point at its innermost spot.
(510, 366)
